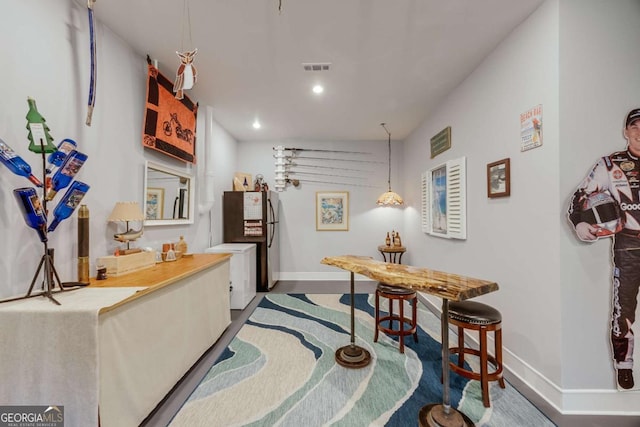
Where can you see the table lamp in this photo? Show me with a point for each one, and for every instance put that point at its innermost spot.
(127, 211)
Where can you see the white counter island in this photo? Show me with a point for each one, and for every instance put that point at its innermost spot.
(114, 349)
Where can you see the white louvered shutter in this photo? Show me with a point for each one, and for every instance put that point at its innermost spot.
(456, 199)
(425, 201)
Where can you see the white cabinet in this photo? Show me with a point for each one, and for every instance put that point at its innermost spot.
(243, 272)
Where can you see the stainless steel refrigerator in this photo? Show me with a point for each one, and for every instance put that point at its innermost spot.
(252, 217)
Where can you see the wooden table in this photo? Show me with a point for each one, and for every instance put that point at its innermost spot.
(159, 276)
(447, 286)
(395, 253)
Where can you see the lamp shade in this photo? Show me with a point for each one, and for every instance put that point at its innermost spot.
(390, 198)
(126, 211)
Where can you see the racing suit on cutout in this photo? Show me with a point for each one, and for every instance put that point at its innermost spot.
(619, 174)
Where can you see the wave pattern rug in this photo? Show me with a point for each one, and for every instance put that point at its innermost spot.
(280, 371)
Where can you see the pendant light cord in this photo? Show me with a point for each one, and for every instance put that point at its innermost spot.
(389, 144)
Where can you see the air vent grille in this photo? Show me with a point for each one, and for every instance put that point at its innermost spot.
(316, 66)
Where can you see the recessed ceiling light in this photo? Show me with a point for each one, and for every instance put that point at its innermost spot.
(256, 124)
(318, 89)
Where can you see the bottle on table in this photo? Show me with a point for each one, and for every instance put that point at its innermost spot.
(64, 148)
(181, 246)
(396, 240)
(39, 138)
(32, 210)
(16, 164)
(387, 241)
(68, 204)
(64, 175)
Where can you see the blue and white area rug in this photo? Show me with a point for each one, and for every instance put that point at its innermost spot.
(280, 370)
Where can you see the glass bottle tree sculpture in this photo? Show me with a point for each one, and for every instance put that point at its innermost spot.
(33, 206)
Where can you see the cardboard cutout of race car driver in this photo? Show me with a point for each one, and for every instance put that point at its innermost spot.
(607, 204)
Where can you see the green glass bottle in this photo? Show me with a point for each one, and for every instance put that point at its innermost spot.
(39, 138)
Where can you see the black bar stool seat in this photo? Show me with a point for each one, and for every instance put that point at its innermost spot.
(479, 317)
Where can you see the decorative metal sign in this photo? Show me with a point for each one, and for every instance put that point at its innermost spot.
(441, 142)
(531, 128)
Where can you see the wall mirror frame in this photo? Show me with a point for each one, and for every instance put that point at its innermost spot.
(169, 195)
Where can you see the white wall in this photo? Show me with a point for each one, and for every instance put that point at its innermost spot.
(512, 241)
(599, 84)
(222, 158)
(45, 46)
(554, 291)
(302, 246)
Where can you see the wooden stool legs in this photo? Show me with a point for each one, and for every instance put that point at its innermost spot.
(485, 358)
(401, 295)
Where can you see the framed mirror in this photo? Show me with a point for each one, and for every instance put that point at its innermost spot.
(168, 195)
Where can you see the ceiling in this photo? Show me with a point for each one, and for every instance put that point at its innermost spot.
(391, 61)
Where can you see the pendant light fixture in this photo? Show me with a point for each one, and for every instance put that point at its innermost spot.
(389, 198)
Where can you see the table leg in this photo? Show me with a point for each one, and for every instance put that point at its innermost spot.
(442, 414)
(353, 356)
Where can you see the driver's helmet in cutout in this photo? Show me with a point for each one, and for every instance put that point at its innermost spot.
(603, 211)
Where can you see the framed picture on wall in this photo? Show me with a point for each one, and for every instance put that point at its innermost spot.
(499, 179)
(154, 203)
(332, 211)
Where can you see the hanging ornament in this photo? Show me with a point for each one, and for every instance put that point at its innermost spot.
(186, 75)
(94, 65)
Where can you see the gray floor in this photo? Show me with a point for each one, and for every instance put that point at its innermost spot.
(164, 412)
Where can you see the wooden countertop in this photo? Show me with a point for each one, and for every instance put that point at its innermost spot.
(445, 285)
(161, 275)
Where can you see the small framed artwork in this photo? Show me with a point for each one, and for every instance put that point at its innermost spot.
(154, 203)
(332, 211)
(499, 179)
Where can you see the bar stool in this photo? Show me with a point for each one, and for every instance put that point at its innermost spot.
(482, 318)
(393, 293)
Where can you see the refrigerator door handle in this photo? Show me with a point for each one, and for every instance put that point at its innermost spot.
(271, 225)
(272, 234)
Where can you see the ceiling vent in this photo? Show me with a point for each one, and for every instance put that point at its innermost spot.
(316, 66)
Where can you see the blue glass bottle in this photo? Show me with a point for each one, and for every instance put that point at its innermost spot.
(16, 164)
(64, 175)
(57, 157)
(32, 210)
(68, 203)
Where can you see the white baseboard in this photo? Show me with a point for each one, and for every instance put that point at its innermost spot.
(565, 401)
(573, 401)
